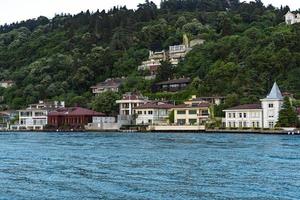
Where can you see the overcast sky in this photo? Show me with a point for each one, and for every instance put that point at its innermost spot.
(17, 10)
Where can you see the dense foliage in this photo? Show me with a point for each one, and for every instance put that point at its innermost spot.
(247, 48)
(288, 115)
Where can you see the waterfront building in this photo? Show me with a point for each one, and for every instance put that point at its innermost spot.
(6, 83)
(153, 113)
(111, 85)
(108, 123)
(291, 18)
(262, 115)
(174, 85)
(7, 118)
(130, 101)
(71, 118)
(35, 117)
(191, 114)
(216, 100)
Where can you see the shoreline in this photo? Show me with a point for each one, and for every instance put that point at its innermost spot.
(208, 131)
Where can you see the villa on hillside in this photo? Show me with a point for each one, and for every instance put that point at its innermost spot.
(174, 85)
(174, 55)
(111, 84)
(153, 63)
(262, 115)
(6, 83)
(215, 100)
(291, 18)
(153, 113)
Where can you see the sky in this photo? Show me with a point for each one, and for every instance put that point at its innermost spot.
(17, 10)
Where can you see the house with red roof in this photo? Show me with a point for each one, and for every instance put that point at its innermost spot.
(71, 118)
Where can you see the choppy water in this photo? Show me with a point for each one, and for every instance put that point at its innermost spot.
(148, 166)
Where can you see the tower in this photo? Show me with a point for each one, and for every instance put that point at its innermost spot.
(271, 106)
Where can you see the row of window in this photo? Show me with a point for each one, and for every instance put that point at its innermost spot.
(192, 112)
(243, 125)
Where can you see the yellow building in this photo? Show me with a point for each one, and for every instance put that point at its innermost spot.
(191, 114)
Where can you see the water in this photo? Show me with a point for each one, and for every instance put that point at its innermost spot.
(148, 166)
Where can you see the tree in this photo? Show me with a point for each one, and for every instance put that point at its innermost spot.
(106, 103)
(288, 115)
(165, 71)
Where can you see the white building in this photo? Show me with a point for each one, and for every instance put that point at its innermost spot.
(153, 113)
(263, 115)
(6, 83)
(130, 101)
(35, 117)
(109, 85)
(291, 18)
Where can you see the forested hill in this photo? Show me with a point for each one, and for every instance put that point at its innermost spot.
(247, 47)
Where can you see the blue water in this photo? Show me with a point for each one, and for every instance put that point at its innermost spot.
(148, 166)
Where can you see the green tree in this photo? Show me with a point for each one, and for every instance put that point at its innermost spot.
(106, 103)
(165, 71)
(288, 115)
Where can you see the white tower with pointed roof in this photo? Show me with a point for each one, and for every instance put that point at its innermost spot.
(271, 106)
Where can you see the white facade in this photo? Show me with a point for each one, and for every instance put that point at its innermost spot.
(151, 116)
(129, 102)
(244, 118)
(33, 119)
(291, 18)
(264, 115)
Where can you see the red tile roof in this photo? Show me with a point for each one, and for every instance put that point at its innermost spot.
(74, 111)
(155, 106)
(110, 83)
(246, 107)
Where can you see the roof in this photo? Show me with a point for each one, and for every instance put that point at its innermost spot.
(155, 106)
(108, 83)
(204, 98)
(275, 93)
(133, 96)
(6, 81)
(74, 111)
(200, 105)
(175, 81)
(246, 107)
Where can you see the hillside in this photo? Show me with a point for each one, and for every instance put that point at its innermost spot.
(247, 48)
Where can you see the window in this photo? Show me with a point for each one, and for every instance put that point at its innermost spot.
(229, 115)
(245, 115)
(271, 124)
(145, 112)
(229, 124)
(271, 105)
(181, 112)
(234, 125)
(253, 124)
(233, 115)
(192, 121)
(257, 124)
(240, 124)
(241, 115)
(245, 124)
(181, 121)
(140, 112)
(193, 112)
(205, 113)
(150, 112)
